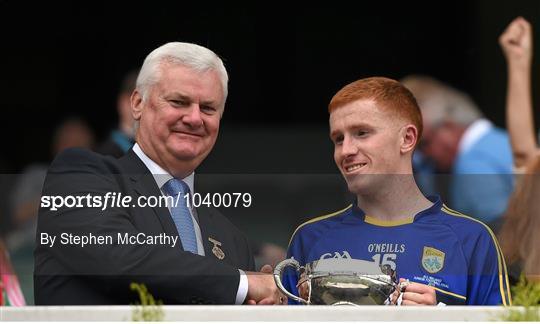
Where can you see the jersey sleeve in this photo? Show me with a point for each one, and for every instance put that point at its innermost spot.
(488, 276)
(290, 277)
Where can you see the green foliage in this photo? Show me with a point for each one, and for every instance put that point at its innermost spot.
(527, 295)
(148, 310)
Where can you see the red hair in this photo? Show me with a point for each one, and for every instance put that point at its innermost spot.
(387, 93)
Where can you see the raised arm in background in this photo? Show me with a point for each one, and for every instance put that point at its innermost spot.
(517, 45)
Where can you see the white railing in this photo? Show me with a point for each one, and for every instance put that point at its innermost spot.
(257, 313)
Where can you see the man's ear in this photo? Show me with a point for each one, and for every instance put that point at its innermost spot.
(136, 104)
(409, 137)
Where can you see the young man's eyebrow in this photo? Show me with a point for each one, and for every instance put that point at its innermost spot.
(334, 133)
(359, 125)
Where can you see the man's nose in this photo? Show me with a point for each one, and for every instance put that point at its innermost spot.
(349, 146)
(193, 116)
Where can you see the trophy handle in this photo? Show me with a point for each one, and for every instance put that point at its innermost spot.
(277, 278)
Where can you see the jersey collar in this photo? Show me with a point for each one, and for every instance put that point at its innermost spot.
(355, 214)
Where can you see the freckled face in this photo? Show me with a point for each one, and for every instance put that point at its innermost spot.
(366, 144)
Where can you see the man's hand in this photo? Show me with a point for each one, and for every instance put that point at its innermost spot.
(516, 43)
(262, 289)
(416, 294)
(303, 287)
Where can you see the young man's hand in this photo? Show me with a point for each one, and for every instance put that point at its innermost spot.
(303, 287)
(416, 294)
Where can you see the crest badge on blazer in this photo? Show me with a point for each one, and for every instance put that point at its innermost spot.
(218, 252)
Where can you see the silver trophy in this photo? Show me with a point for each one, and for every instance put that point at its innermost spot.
(340, 282)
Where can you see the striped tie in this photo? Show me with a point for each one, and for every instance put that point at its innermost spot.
(181, 215)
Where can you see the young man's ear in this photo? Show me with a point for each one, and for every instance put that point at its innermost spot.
(136, 104)
(409, 138)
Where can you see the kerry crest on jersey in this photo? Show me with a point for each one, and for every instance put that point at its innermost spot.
(432, 259)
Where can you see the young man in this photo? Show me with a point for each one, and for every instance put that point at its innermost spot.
(375, 124)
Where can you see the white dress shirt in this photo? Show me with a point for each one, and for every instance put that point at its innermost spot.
(161, 177)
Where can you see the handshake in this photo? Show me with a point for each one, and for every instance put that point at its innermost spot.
(262, 289)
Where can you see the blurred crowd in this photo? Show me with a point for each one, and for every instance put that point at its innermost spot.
(484, 171)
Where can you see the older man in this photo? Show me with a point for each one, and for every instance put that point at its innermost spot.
(184, 255)
(462, 142)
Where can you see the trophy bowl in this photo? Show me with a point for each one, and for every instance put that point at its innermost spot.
(340, 282)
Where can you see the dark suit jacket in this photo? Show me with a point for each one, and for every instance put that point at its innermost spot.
(101, 274)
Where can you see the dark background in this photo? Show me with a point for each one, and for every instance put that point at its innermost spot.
(61, 59)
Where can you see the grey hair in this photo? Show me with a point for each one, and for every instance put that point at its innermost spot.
(440, 102)
(193, 56)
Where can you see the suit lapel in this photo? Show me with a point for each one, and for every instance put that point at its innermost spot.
(205, 224)
(145, 185)
(211, 237)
